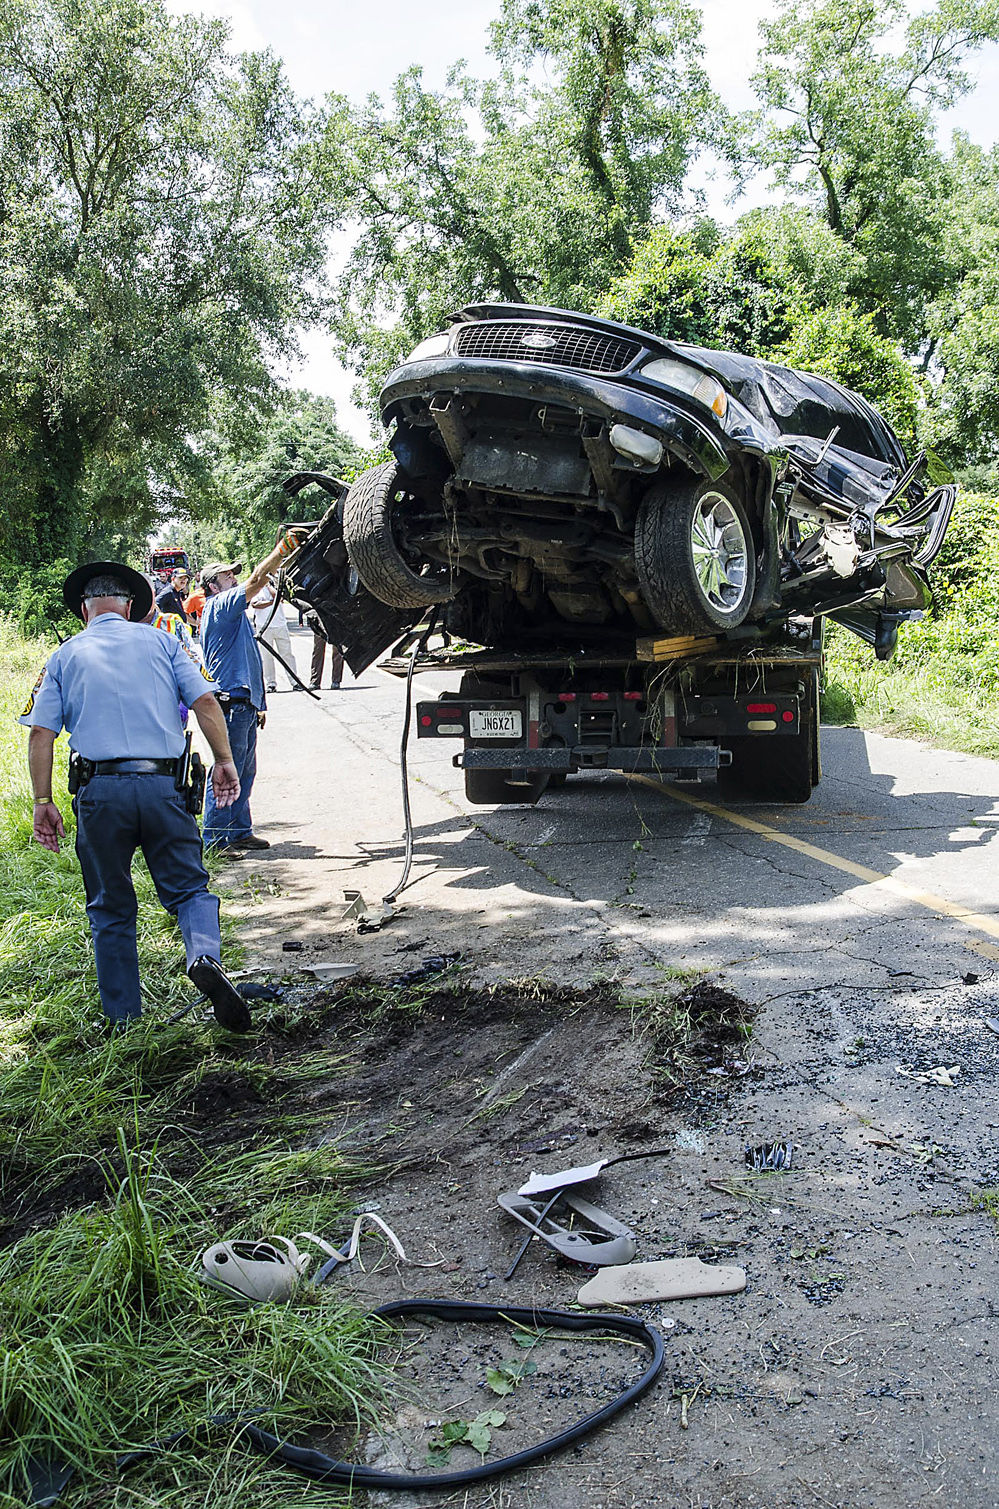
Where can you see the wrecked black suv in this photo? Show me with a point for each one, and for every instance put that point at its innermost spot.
(559, 476)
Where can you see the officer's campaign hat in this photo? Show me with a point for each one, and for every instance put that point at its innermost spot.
(134, 585)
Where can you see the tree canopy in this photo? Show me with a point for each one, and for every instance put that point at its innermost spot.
(162, 231)
(171, 216)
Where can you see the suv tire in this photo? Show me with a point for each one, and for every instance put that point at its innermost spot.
(695, 557)
(369, 518)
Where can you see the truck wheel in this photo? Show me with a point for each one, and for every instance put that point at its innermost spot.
(778, 768)
(371, 517)
(695, 557)
(494, 788)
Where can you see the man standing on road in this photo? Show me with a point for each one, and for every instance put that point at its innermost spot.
(170, 598)
(115, 688)
(232, 659)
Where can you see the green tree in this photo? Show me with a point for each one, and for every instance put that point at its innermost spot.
(849, 96)
(161, 233)
(846, 346)
(512, 190)
(964, 321)
(251, 460)
(746, 289)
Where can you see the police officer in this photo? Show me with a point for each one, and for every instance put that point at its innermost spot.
(232, 658)
(115, 688)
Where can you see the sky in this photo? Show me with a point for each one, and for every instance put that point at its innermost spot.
(345, 47)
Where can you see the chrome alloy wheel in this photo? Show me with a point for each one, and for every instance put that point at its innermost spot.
(720, 552)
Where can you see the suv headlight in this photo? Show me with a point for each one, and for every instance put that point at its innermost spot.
(683, 379)
(434, 345)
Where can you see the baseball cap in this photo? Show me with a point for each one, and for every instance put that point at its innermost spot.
(211, 571)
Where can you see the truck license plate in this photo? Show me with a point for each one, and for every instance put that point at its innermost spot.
(504, 723)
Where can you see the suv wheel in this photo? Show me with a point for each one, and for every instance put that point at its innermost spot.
(370, 521)
(695, 557)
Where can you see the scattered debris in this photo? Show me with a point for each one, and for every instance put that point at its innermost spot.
(254, 1271)
(970, 978)
(770, 1157)
(539, 1184)
(434, 964)
(328, 972)
(348, 1252)
(599, 1239)
(672, 1278)
(369, 918)
(292, 946)
(938, 1075)
(732, 1068)
(251, 992)
(992, 1023)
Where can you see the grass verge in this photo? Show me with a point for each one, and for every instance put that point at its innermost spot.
(120, 1161)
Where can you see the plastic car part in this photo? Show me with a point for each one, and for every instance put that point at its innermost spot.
(370, 539)
(770, 1156)
(562, 1178)
(672, 1278)
(254, 1271)
(599, 1239)
(695, 557)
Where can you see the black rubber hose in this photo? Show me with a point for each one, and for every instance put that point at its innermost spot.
(323, 1469)
(404, 760)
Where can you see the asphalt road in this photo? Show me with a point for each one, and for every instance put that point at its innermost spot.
(864, 927)
(891, 866)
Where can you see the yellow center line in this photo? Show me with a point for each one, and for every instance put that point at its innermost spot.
(939, 905)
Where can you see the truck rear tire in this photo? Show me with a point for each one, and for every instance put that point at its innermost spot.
(369, 531)
(494, 788)
(778, 768)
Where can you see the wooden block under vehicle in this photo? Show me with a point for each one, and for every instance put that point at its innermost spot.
(674, 649)
(673, 1278)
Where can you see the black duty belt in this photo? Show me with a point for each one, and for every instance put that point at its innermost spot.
(227, 700)
(134, 767)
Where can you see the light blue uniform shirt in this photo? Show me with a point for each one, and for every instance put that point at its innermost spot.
(231, 653)
(115, 689)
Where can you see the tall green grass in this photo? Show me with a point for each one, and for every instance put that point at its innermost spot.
(943, 683)
(108, 1340)
(111, 1342)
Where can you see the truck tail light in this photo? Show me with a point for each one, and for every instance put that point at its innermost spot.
(600, 696)
(567, 696)
(761, 707)
(633, 696)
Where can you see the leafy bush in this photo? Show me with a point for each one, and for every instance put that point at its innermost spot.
(943, 682)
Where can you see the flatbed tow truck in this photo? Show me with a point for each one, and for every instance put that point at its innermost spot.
(743, 708)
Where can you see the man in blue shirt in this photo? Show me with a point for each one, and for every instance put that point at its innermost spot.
(116, 689)
(232, 658)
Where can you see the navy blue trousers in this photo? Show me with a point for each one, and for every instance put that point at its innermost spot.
(115, 815)
(223, 825)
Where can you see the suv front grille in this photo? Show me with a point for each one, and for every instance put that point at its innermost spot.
(571, 346)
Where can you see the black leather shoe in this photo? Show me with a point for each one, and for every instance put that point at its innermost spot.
(251, 841)
(229, 1007)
